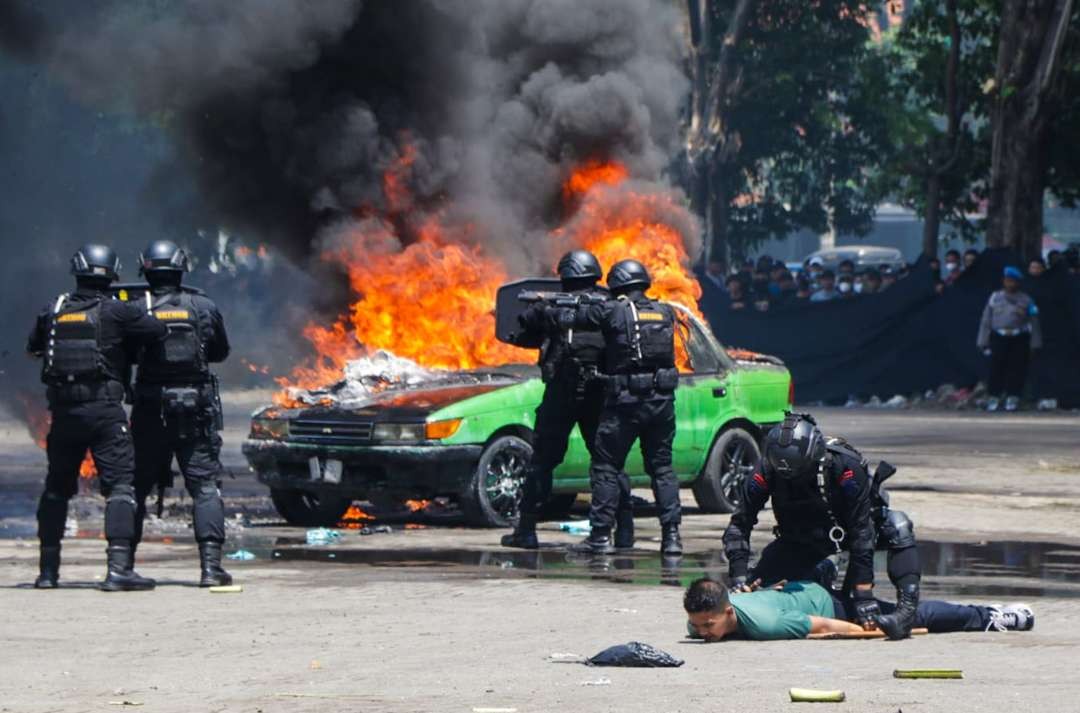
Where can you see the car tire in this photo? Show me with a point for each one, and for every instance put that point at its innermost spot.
(492, 497)
(309, 509)
(734, 457)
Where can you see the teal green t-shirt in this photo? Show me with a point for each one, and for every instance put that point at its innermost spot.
(770, 614)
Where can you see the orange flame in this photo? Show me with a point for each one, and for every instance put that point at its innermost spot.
(354, 518)
(88, 469)
(417, 505)
(432, 300)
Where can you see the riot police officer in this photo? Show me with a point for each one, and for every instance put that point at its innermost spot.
(639, 401)
(87, 340)
(825, 501)
(177, 409)
(573, 394)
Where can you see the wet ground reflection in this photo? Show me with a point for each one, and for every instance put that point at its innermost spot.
(1006, 568)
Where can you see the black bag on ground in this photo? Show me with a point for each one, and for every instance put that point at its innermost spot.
(635, 654)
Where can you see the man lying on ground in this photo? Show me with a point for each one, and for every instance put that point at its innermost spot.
(798, 609)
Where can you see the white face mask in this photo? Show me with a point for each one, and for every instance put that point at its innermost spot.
(844, 286)
(858, 287)
(952, 266)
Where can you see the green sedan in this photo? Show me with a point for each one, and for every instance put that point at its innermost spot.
(466, 436)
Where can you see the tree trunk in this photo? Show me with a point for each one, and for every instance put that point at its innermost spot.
(932, 219)
(1029, 60)
(719, 210)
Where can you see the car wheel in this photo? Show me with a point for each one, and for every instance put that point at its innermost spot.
(309, 509)
(492, 497)
(733, 459)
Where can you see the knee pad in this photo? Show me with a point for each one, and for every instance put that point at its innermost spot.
(898, 530)
(204, 490)
(120, 512)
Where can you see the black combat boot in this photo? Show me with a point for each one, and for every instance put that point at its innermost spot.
(210, 560)
(524, 534)
(898, 624)
(121, 576)
(624, 530)
(48, 568)
(597, 543)
(671, 542)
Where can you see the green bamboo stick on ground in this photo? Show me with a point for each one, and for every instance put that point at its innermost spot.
(809, 695)
(928, 673)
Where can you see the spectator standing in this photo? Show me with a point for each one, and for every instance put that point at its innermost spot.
(1008, 332)
(871, 282)
(802, 288)
(888, 278)
(846, 267)
(935, 266)
(1036, 267)
(827, 288)
(1053, 258)
(715, 272)
(845, 285)
(970, 256)
(736, 291)
(952, 266)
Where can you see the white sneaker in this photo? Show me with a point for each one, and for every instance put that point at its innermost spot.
(1047, 405)
(1011, 617)
(1012, 403)
(993, 404)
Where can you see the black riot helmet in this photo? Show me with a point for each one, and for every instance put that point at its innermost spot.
(163, 256)
(795, 447)
(96, 262)
(579, 267)
(627, 275)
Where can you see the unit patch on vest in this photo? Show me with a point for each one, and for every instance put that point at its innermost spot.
(650, 316)
(172, 314)
(72, 317)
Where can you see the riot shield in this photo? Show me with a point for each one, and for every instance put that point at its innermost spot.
(508, 308)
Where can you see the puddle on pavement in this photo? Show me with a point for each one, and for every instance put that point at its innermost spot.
(986, 569)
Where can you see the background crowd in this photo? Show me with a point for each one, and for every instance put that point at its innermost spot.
(764, 283)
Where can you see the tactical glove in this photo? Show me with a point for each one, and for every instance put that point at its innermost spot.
(866, 608)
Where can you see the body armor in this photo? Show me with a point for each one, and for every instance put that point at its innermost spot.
(74, 355)
(181, 356)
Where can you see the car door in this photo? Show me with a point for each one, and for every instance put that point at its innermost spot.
(702, 398)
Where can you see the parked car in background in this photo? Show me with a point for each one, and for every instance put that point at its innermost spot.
(864, 257)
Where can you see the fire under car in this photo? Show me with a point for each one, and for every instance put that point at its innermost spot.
(466, 436)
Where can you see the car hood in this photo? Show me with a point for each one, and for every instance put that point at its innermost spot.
(412, 404)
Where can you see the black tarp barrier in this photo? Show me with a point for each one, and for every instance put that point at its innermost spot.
(907, 339)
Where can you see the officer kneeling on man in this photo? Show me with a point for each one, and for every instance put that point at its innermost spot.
(87, 341)
(825, 501)
(639, 402)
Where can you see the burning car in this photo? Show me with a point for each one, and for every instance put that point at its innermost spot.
(466, 435)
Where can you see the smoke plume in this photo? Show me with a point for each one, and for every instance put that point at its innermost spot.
(289, 112)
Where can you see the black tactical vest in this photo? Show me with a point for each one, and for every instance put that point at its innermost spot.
(74, 355)
(643, 337)
(181, 356)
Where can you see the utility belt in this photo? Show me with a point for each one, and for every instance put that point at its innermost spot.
(580, 372)
(826, 537)
(188, 409)
(663, 381)
(1013, 332)
(81, 393)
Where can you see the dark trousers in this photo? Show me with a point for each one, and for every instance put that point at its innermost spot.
(653, 422)
(102, 428)
(1009, 364)
(798, 561)
(937, 616)
(197, 454)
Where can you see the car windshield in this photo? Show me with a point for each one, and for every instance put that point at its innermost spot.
(694, 339)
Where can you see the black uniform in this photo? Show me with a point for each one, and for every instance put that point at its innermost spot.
(88, 341)
(841, 510)
(570, 362)
(639, 402)
(177, 410)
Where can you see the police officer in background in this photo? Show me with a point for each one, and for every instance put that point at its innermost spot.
(573, 394)
(639, 362)
(825, 501)
(177, 409)
(87, 340)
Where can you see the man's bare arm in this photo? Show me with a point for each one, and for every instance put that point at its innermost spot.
(824, 625)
